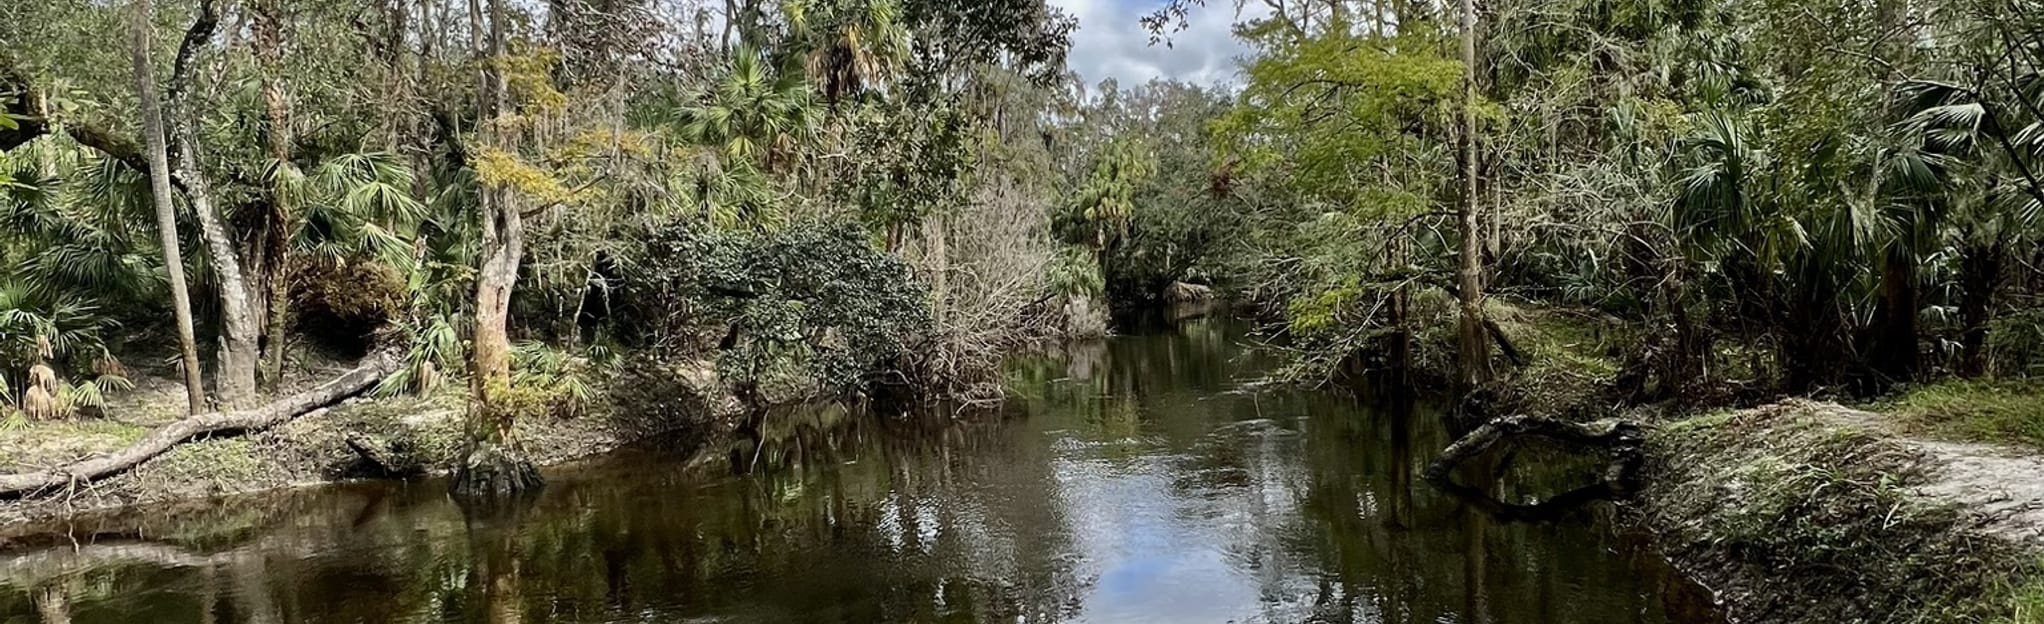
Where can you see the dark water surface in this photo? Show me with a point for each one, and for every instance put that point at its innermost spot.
(1136, 481)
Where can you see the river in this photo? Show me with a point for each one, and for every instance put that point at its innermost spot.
(1140, 480)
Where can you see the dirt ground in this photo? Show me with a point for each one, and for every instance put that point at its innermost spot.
(2002, 486)
(420, 435)
(1805, 511)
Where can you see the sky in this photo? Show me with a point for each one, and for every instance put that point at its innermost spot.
(1111, 43)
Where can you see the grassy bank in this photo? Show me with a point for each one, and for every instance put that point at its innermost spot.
(1998, 411)
(1808, 512)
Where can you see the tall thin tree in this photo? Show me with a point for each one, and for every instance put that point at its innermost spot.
(166, 211)
(274, 267)
(1473, 348)
(493, 465)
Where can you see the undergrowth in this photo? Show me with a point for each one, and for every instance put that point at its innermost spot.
(1761, 498)
(2004, 411)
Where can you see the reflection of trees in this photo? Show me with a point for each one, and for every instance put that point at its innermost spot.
(842, 517)
(1403, 552)
(53, 603)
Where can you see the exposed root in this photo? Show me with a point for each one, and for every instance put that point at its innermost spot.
(490, 472)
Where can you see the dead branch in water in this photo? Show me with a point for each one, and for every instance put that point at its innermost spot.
(1621, 442)
(240, 421)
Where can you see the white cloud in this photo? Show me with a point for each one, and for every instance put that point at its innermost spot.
(1112, 43)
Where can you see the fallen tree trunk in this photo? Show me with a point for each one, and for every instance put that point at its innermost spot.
(1621, 442)
(239, 421)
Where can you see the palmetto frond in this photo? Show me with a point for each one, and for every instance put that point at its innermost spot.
(751, 114)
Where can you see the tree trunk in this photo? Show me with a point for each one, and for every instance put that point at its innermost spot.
(493, 465)
(1980, 272)
(166, 212)
(240, 329)
(276, 266)
(1894, 346)
(1474, 351)
(1622, 443)
(1895, 320)
(937, 233)
(275, 270)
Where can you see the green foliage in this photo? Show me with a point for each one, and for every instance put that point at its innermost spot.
(2016, 342)
(1103, 205)
(752, 114)
(849, 44)
(2005, 411)
(816, 294)
(1073, 273)
(916, 159)
(551, 381)
(1345, 103)
(436, 350)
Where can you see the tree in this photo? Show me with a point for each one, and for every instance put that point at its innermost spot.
(1473, 345)
(166, 212)
(268, 29)
(848, 45)
(1104, 202)
(493, 466)
(240, 326)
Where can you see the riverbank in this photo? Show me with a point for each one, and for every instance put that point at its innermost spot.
(364, 437)
(1805, 511)
(1141, 479)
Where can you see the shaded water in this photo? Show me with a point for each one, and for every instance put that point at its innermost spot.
(1136, 481)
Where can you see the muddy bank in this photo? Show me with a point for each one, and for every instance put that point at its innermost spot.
(361, 438)
(1811, 512)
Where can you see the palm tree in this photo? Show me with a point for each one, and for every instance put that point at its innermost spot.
(752, 114)
(1984, 138)
(848, 44)
(1106, 201)
(351, 206)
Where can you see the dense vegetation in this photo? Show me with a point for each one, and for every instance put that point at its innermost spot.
(514, 193)
(1731, 199)
(1756, 197)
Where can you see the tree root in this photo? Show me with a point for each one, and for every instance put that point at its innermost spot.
(202, 425)
(489, 472)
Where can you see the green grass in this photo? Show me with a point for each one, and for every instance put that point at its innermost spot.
(229, 462)
(2003, 411)
(1823, 522)
(2025, 601)
(42, 443)
(1570, 360)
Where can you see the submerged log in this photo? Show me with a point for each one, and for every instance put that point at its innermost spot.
(1621, 442)
(215, 423)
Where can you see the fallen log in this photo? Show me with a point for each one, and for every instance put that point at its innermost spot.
(241, 421)
(1621, 442)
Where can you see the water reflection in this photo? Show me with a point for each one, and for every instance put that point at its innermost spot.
(1134, 481)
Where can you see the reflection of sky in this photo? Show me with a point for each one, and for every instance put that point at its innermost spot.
(1160, 549)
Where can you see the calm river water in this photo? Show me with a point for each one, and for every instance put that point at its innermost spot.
(1136, 481)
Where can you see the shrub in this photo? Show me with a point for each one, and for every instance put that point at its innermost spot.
(819, 296)
(342, 303)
